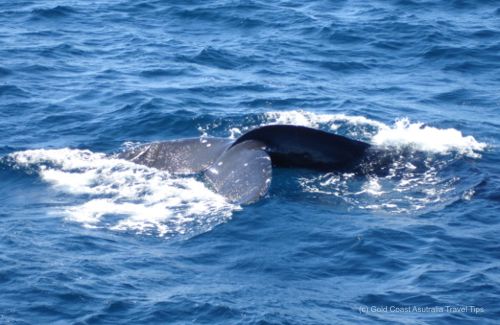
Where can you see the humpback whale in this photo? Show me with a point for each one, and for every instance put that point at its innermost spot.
(241, 170)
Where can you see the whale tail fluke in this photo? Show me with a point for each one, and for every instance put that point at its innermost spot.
(241, 170)
(242, 173)
(182, 157)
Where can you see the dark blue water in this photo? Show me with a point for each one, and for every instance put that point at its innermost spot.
(89, 239)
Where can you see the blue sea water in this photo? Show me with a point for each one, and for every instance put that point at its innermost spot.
(86, 238)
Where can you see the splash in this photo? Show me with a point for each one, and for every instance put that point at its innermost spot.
(121, 195)
(427, 138)
(309, 119)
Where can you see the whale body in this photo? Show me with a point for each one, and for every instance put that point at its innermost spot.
(241, 170)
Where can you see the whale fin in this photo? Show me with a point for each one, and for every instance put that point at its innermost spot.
(186, 156)
(242, 173)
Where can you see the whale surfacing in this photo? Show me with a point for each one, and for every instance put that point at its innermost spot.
(241, 170)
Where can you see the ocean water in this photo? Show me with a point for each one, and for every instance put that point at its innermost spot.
(86, 238)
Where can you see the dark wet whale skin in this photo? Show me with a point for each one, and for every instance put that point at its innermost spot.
(302, 147)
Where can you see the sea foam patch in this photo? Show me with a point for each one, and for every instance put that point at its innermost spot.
(427, 138)
(121, 195)
(314, 120)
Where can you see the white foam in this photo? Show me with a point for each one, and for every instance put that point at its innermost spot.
(314, 120)
(403, 133)
(234, 133)
(372, 187)
(427, 138)
(138, 198)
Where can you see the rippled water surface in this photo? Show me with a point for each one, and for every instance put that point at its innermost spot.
(87, 238)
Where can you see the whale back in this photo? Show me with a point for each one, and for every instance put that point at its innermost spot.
(303, 147)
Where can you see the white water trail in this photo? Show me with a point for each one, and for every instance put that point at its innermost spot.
(121, 195)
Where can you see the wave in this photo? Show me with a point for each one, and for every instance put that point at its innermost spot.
(225, 14)
(5, 72)
(217, 58)
(52, 13)
(14, 91)
(158, 72)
